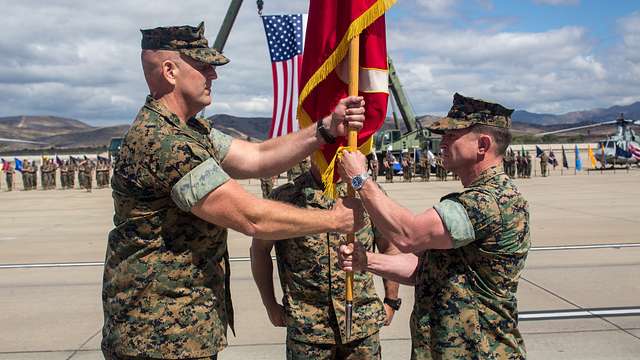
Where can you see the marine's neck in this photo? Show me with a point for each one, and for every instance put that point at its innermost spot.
(178, 106)
(469, 174)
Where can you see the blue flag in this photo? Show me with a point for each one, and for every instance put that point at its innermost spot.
(578, 160)
(18, 164)
(538, 151)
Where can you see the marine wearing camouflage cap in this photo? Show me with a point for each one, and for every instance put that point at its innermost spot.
(467, 111)
(186, 40)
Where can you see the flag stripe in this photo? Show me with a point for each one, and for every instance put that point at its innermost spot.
(291, 79)
(274, 77)
(280, 90)
(635, 151)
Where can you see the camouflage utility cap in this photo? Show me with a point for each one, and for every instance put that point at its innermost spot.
(467, 111)
(187, 40)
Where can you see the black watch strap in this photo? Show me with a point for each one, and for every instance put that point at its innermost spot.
(324, 133)
(393, 303)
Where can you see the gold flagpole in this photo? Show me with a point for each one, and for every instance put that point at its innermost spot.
(354, 69)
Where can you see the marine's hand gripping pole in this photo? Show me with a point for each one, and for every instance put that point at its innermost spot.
(354, 67)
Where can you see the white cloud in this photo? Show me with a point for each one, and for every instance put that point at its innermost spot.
(81, 59)
(438, 8)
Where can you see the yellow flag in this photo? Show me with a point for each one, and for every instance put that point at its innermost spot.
(592, 158)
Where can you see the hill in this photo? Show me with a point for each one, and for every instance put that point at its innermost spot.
(593, 116)
(54, 132)
(59, 133)
(34, 127)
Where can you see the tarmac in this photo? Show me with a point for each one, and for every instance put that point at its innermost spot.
(579, 296)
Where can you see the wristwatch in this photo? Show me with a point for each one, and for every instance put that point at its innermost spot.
(324, 133)
(358, 181)
(393, 303)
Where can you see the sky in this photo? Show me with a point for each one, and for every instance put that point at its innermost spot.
(81, 59)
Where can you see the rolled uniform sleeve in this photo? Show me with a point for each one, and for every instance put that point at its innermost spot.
(469, 216)
(197, 183)
(189, 171)
(221, 143)
(455, 218)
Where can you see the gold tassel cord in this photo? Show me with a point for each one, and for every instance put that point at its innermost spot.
(328, 174)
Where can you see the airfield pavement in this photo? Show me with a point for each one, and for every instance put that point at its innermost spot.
(580, 303)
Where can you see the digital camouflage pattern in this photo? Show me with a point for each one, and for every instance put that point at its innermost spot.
(367, 348)
(166, 277)
(9, 177)
(467, 111)
(313, 282)
(187, 40)
(465, 298)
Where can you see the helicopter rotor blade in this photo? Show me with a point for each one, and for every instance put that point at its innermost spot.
(20, 141)
(577, 128)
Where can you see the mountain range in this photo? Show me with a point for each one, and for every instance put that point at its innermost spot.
(64, 133)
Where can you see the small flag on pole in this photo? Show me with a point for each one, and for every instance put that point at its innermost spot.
(579, 160)
(634, 150)
(592, 157)
(18, 164)
(565, 163)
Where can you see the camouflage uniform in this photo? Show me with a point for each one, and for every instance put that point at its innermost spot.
(25, 175)
(166, 280)
(33, 176)
(313, 286)
(465, 297)
(373, 165)
(166, 290)
(407, 167)
(544, 160)
(388, 167)
(266, 185)
(88, 175)
(298, 169)
(508, 163)
(9, 177)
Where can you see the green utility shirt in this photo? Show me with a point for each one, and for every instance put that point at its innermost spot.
(166, 277)
(465, 297)
(313, 282)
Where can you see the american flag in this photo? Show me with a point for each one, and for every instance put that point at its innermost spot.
(285, 37)
(634, 150)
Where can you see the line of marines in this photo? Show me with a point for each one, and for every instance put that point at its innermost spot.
(67, 171)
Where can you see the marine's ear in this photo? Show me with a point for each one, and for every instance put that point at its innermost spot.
(484, 144)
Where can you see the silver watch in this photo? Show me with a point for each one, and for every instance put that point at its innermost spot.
(358, 181)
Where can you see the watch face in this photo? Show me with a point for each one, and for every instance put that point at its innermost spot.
(356, 182)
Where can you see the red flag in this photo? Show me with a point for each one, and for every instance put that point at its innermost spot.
(324, 80)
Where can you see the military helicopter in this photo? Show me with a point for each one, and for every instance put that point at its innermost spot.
(622, 148)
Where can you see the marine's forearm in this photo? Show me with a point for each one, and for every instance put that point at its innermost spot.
(391, 219)
(282, 221)
(400, 268)
(262, 270)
